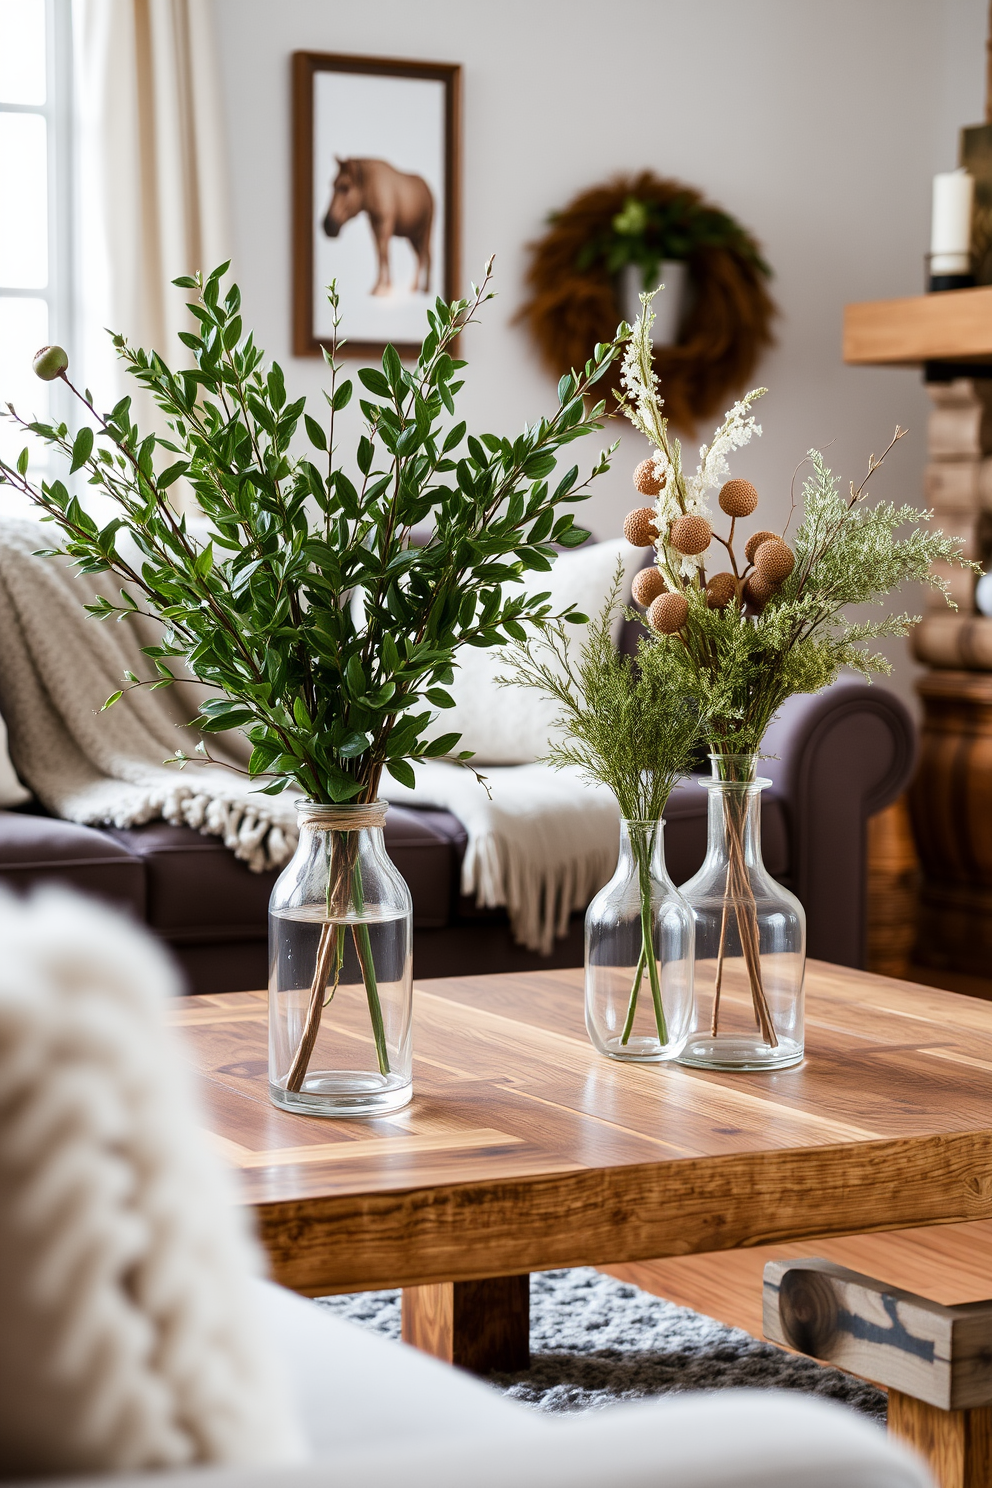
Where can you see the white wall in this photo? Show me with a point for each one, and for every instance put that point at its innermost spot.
(819, 123)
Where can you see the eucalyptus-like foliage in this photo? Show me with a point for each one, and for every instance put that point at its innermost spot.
(632, 727)
(743, 667)
(331, 637)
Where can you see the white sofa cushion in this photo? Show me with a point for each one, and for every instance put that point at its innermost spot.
(12, 792)
(510, 725)
(128, 1336)
(352, 1388)
(725, 1439)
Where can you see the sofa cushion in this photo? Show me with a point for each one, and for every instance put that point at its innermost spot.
(12, 792)
(196, 888)
(34, 849)
(510, 725)
(199, 891)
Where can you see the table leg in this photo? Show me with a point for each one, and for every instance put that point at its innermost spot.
(957, 1444)
(478, 1325)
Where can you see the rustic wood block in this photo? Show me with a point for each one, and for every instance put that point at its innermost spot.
(940, 1355)
(478, 1325)
(956, 1444)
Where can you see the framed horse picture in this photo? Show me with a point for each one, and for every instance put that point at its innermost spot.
(376, 164)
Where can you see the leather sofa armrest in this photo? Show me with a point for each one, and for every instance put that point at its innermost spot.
(841, 756)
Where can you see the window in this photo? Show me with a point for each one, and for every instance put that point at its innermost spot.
(35, 204)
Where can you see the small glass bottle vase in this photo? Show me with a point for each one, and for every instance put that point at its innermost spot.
(340, 970)
(639, 938)
(750, 937)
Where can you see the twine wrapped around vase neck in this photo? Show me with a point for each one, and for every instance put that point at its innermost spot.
(345, 817)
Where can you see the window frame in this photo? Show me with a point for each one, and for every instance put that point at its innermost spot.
(58, 292)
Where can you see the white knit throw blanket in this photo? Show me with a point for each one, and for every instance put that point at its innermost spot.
(57, 668)
(128, 1333)
(542, 846)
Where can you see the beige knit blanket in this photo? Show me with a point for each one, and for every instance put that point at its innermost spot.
(58, 666)
(542, 845)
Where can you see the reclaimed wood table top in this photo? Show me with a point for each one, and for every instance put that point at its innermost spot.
(524, 1149)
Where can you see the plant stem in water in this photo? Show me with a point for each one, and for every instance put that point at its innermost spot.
(741, 895)
(342, 869)
(363, 948)
(642, 847)
(301, 1060)
(635, 988)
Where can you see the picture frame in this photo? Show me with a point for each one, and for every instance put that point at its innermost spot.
(376, 198)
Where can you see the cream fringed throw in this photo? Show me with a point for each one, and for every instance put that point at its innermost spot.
(57, 668)
(128, 1338)
(542, 845)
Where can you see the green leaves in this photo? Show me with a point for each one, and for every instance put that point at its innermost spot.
(401, 771)
(82, 448)
(327, 605)
(376, 383)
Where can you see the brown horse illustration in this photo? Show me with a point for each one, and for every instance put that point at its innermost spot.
(398, 205)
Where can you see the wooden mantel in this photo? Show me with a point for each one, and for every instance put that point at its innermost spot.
(955, 324)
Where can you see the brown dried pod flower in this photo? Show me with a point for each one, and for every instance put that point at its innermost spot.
(738, 498)
(690, 535)
(754, 543)
(647, 585)
(758, 591)
(639, 528)
(774, 560)
(668, 613)
(720, 590)
(647, 480)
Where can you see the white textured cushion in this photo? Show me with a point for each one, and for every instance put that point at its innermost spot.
(352, 1387)
(128, 1331)
(510, 725)
(725, 1439)
(12, 792)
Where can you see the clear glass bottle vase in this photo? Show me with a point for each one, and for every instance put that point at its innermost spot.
(750, 937)
(340, 970)
(638, 963)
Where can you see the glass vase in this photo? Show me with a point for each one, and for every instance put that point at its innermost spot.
(750, 937)
(638, 964)
(340, 970)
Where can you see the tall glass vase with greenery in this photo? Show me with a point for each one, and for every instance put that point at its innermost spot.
(321, 631)
(766, 621)
(630, 725)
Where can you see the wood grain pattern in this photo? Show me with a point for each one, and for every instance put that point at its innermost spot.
(946, 1263)
(951, 802)
(956, 1445)
(478, 1325)
(956, 324)
(897, 1338)
(550, 1155)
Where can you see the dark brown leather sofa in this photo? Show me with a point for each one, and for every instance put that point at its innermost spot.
(841, 756)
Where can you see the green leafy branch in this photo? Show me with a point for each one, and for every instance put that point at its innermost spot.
(331, 641)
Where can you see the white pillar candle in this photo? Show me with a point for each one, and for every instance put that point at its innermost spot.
(950, 234)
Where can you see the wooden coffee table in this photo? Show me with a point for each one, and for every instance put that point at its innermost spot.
(524, 1149)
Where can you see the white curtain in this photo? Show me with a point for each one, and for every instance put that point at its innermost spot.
(152, 177)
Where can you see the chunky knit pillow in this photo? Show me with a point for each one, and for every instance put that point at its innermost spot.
(127, 1335)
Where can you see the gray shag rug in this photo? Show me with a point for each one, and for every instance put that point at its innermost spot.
(595, 1340)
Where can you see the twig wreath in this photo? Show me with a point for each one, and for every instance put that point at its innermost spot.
(573, 302)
